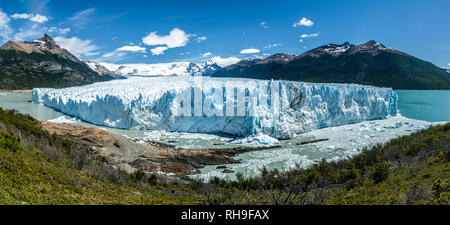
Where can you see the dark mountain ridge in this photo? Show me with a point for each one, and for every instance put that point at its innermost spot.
(42, 63)
(370, 63)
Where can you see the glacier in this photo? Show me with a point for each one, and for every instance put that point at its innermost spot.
(163, 69)
(280, 109)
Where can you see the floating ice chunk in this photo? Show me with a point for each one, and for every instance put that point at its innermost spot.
(257, 140)
(63, 119)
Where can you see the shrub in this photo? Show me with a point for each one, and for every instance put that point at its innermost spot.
(153, 180)
(10, 141)
(137, 175)
(349, 174)
(381, 172)
(441, 188)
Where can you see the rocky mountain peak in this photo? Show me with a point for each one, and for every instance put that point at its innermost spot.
(45, 42)
(48, 42)
(331, 49)
(277, 58)
(41, 45)
(371, 47)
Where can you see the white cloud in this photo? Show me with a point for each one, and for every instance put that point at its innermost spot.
(159, 50)
(81, 15)
(206, 54)
(303, 22)
(264, 25)
(5, 29)
(225, 61)
(122, 51)
(131, 49)
(301, 40)
(32, 17)
(61, 31)
(200, 39)
(81, 18)
(26, 34)
(309, 35)
(272, 45)
(78, 47)
(176, 38)
(113, 54)
(250, 51)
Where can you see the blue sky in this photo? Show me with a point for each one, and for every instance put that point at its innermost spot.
(165, 31)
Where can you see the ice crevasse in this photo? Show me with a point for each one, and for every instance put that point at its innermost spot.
(240, 107)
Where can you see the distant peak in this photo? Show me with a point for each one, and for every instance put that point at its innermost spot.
(374, 43)
(48, 41)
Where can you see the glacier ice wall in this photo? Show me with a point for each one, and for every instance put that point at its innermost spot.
(154, 104)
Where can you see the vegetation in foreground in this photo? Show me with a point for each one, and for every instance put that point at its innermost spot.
(40, 168)
(412, 169)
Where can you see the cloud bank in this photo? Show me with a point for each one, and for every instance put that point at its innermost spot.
(31, 17)
(78, 47)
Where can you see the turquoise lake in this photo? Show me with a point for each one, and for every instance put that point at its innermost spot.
(428, 105)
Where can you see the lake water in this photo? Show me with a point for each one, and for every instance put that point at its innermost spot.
(430, 106)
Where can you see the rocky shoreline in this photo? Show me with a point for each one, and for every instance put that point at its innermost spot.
(16, 91)
(168, 162)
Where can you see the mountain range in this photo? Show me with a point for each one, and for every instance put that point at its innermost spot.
(370, 63)
(43, 63)
(164, 69)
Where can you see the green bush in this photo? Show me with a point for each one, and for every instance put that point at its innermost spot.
(441, 189)
(349, 174)
(153, 180)
(381, 172)
(137, 175)
(10, 141)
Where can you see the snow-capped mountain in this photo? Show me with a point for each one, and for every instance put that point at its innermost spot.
(332, 49)
(100, 69)
(163, 69)
(369, 63)
(371, 47)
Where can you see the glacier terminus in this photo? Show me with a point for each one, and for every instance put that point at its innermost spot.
(231, 106)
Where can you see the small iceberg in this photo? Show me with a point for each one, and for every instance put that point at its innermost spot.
(259, 139)
(63, 120)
